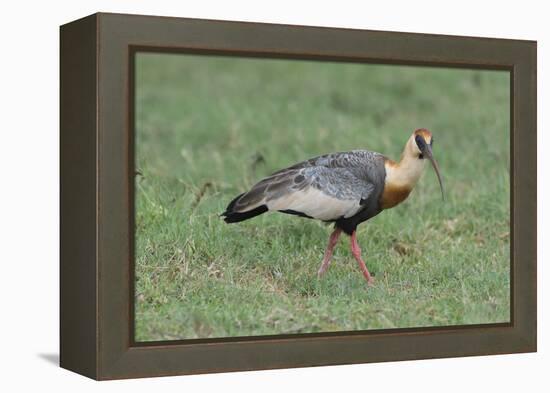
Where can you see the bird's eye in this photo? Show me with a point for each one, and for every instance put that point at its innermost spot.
(420, 142)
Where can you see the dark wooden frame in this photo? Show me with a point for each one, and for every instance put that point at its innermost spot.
(97, 195)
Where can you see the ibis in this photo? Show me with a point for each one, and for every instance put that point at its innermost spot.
(345, 188)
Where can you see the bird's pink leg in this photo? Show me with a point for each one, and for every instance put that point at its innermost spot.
(356, 251)
(332, 240)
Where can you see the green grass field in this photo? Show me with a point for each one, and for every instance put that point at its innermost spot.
(207, 128)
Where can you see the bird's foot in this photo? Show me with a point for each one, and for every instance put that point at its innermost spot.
(333, 239)
(324, 267)
(356, 251)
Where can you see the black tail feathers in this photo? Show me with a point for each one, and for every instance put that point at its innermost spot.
(231, 216)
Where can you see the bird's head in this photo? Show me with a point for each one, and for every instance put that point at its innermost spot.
(422, 142)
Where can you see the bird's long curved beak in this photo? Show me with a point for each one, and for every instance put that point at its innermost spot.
(427, 151)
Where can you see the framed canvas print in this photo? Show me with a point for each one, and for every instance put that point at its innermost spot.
(241, 196)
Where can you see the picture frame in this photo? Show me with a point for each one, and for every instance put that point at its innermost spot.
(97, 180)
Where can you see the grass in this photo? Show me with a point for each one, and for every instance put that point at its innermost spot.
(207, 128)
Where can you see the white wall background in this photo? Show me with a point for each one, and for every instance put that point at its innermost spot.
(29, 186)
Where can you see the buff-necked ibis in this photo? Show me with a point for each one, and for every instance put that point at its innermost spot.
(345, 188)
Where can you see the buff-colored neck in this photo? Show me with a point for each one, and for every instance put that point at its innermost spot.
(408, 170)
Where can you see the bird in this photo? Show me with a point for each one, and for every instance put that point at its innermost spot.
(344, 188)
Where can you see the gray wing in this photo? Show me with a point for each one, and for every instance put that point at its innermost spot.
(326, 187)
(352, 160)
